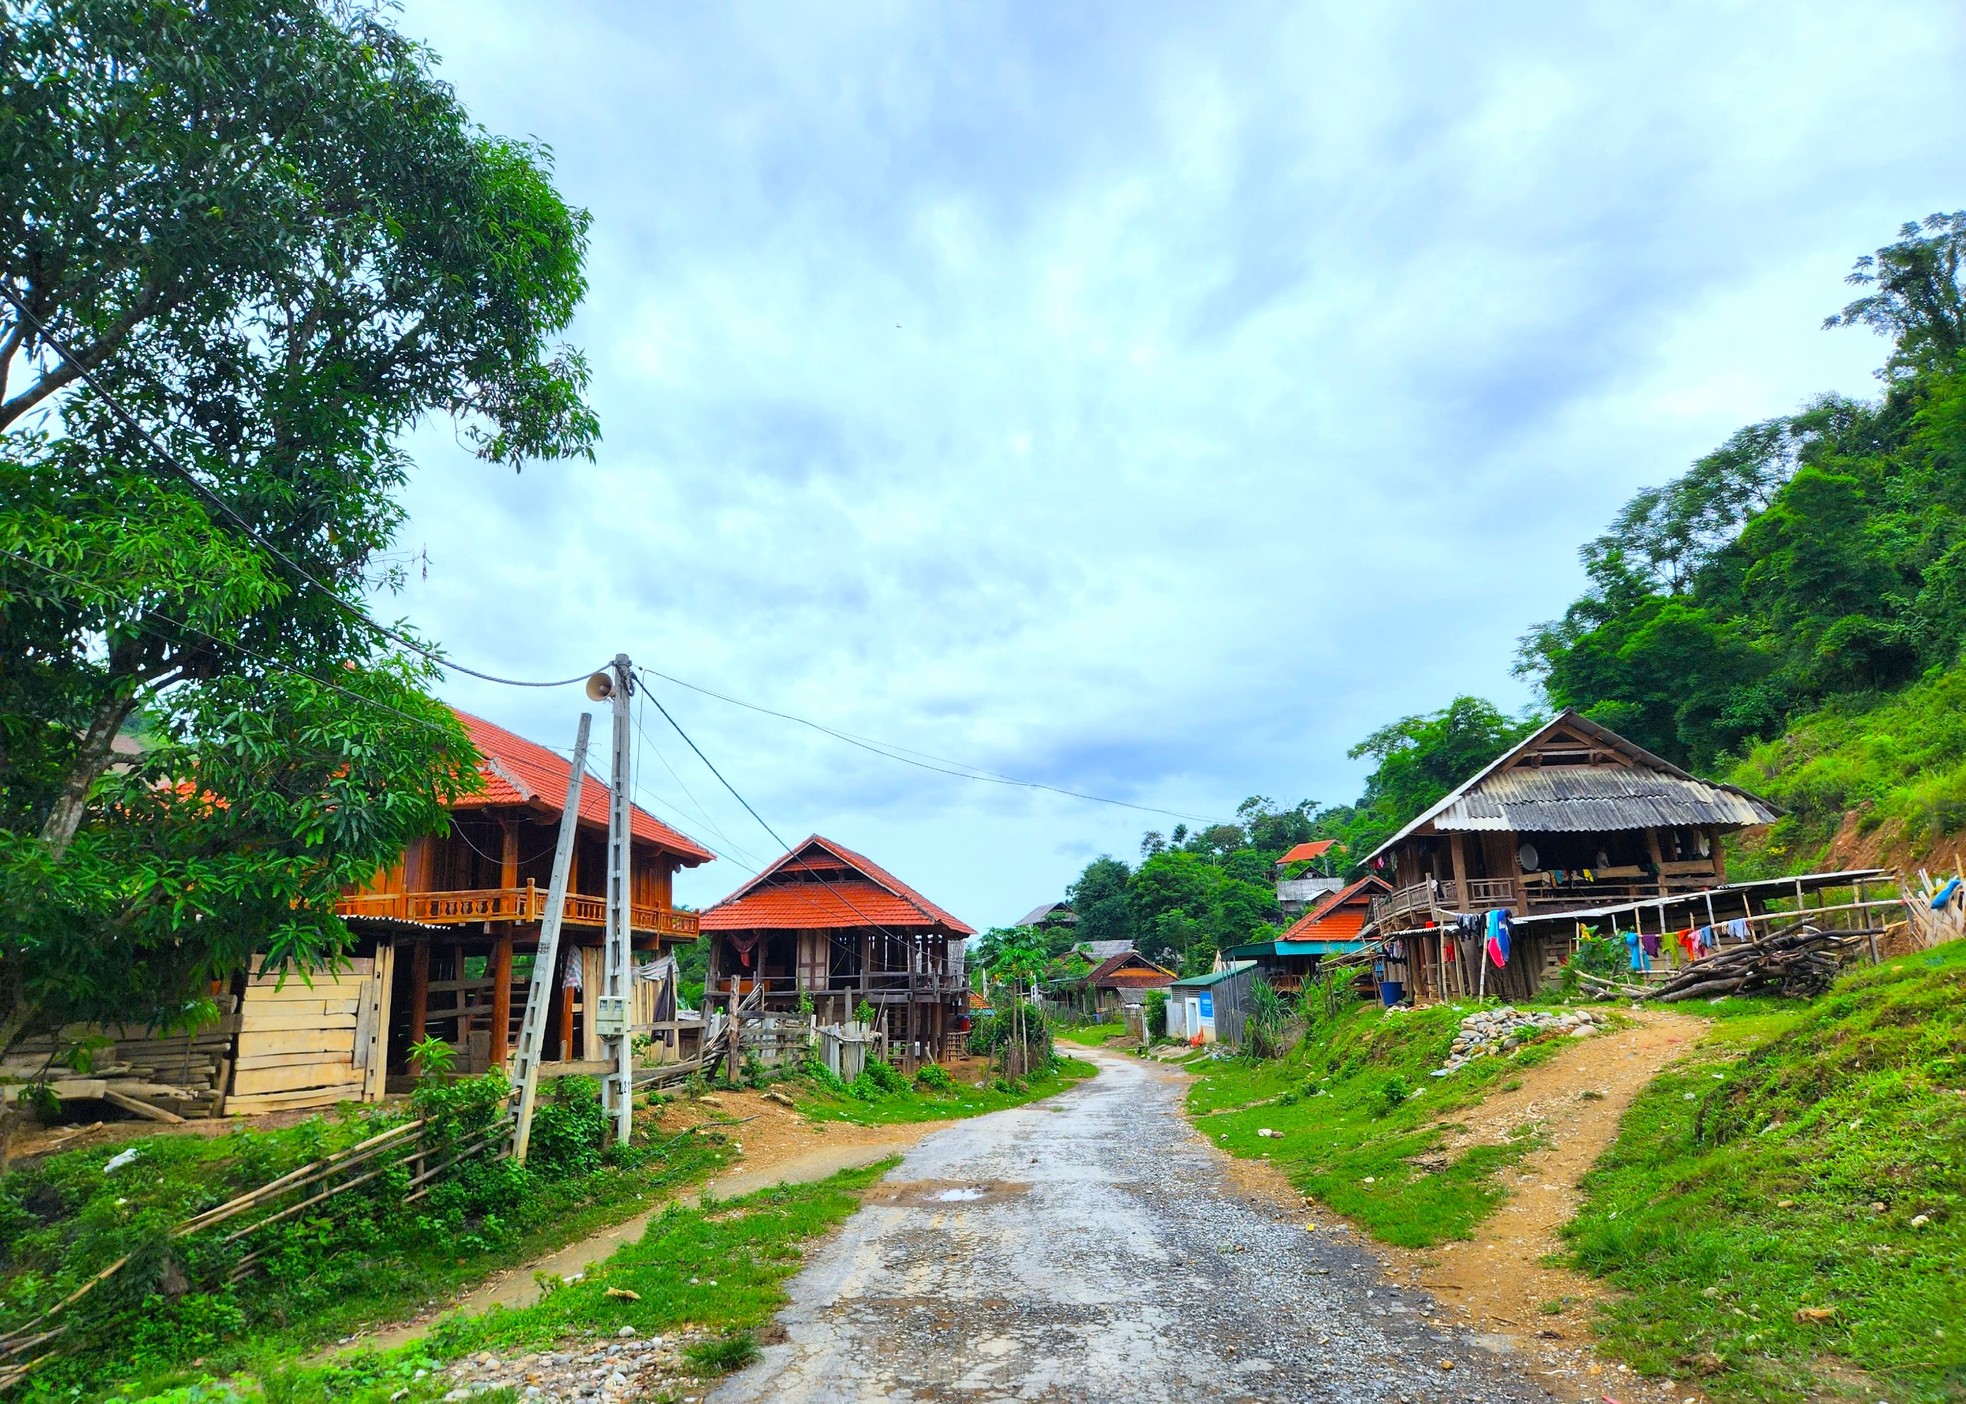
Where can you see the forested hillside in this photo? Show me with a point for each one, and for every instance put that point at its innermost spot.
(1788, 614)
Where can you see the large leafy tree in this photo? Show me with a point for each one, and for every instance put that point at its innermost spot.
(1815, 556)
(252, 242)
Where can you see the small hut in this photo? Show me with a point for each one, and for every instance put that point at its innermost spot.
(1211, 1008)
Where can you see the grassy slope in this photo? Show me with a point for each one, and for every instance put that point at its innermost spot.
(1727, 1205)
(306, 1295)
(1899, 761)
(924, 1104)
(721, 1266)
(1091, 1035)
(1337, 1099)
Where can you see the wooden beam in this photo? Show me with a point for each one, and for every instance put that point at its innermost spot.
(508, 863)
(1658, 857)
(1457, 850)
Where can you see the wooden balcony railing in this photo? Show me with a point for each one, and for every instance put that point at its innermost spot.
(509, 904)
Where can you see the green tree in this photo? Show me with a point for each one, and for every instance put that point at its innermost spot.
(1098, 897)
(277, 242)
(1419, 759)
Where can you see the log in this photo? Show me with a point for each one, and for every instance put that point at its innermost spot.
(142, 1109)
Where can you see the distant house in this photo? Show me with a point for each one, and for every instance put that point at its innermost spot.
(826, 924)
(1211, 1008)
(1096, 951)
(1332, 927)
(1050, 914)
(1124, 979)
(1295, 894)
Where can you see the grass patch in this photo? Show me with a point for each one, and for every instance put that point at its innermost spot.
(827, 1099)
(1729, 1205)
(1358, 1112)
(169, 1316)
(720, 1266)
(1090, 1035)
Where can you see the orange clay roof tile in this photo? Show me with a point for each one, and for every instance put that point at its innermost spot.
(518, 771)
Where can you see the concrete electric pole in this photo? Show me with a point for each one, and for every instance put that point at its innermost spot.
(612, 1012)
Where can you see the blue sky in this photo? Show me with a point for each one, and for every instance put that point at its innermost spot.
(1146, 399)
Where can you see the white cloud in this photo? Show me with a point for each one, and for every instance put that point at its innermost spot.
(1145, 399)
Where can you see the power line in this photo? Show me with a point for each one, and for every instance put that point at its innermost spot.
(252, 533)
(272, 663)
(823, 882)
(906, 756)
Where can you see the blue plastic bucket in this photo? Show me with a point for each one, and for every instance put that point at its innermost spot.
(1391, 992)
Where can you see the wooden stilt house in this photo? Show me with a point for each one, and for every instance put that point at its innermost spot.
(826, 925)
(454, 925)
(1574, 826)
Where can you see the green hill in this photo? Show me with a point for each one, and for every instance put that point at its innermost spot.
(1787, 1208)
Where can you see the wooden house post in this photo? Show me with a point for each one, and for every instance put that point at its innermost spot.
(1658, 857)
(419, 988)
(508, 858)
(1719, 857)
(1457, 850)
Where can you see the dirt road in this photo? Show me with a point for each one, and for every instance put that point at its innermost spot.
(1091, 1247)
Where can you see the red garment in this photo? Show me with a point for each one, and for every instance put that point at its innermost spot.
(1688, 944)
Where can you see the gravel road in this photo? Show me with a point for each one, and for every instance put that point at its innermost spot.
(1092, 1247)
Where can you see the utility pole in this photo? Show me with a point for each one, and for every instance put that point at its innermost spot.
(612, 1008)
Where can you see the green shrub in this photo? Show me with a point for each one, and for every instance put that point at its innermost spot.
(1155, 1013)
(1393, 1093)
(570, 1130)
(824, 1076)
(932, 1078)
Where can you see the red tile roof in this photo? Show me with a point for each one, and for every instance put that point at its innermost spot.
(518, 771)
(1340, 915)
(784, 897)
(1315, 848)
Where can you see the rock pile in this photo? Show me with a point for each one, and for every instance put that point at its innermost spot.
(1506, 1029)
(627, 1367)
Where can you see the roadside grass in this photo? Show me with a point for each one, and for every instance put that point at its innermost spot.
(1745, 1188)
(362, 1259)
(918, 1101)
(720, 1267)
(1091, 1035)
(1360, 1120)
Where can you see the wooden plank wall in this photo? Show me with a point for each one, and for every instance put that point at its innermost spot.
(311, 1044)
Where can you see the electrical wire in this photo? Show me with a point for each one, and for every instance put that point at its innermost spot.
(252, 533)
(894, 752)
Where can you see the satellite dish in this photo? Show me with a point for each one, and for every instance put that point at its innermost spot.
(1528, 857)
(600, 687)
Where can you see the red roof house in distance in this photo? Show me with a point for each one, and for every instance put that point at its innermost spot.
(474, 898)
(829, 924)
(1330, 927)
(1304, 852)
(1296, 894)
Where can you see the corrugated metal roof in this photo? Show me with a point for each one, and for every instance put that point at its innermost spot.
(1655, 767)
(1594, 799)
(1214, 977)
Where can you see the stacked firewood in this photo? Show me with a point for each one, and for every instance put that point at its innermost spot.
(1798, 962)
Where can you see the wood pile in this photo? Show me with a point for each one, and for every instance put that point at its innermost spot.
(1798, 962)
(150, 1074)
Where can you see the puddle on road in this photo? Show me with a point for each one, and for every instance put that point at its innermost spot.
(929, 1193)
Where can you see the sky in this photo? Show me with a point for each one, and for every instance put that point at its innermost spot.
(1147, 400)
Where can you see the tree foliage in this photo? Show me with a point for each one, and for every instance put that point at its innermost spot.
(1817, 556)
(277, 242)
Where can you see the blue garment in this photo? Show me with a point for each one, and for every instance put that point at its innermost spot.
(1498, 936)
(1944, 894)
(1635, 948)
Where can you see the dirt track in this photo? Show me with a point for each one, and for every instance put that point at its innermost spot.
(1093, 1247)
